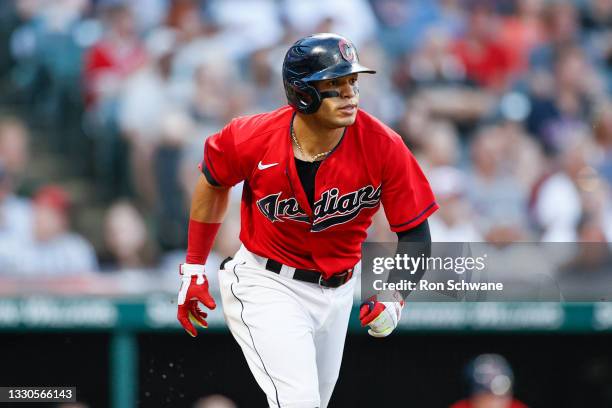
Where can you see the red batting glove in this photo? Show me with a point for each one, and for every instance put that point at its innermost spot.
(194, 289)
(382, 317)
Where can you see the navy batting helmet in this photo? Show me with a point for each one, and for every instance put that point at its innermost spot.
(316, 58)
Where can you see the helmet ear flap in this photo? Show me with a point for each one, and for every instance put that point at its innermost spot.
(307, 99)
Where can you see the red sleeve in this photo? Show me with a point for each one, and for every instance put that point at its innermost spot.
(406, 195)
(220, 165)
(95, 60)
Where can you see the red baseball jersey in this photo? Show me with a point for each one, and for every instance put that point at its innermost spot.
(370, 165)
(467, 404)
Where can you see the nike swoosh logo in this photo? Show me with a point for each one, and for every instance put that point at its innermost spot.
(262, 166)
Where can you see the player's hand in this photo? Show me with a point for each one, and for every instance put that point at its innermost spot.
(382, 317)
(194, 289)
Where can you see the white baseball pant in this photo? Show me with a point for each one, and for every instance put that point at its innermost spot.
(291, 332)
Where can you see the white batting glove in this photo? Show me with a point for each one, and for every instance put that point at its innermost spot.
(381, 317)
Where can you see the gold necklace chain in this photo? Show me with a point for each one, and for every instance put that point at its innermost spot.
(313, 158)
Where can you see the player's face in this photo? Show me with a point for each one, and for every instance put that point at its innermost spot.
(339, 111)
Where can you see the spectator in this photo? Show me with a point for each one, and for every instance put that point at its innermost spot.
(561, 30)
(352, 18)
(453, 222)
(433, 62)
(523, 155)
(562, 113)
(485, 58)
(217, 92)
(250, 25)
(267, 86)
(14, 155)
(53, 250)
(58, 249)
(558, 219)
(15, 212)
(198, 42)
(414, 122)
(126, 238)
(525, 31)
(149, 13)
(597, 15)
(14, 149)
(186, 19)
(147, 98)
(404, 23)
(113, 59)
(441, 146)
(47, 48)
(496, 195)
(108, 65)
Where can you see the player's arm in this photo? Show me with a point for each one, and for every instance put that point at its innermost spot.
(208, 208)
(208, 205)
(381, 316)
(414, 242)
(408, 201)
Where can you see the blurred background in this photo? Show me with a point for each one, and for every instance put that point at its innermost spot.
(104, 109)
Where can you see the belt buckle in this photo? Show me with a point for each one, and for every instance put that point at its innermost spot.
(346, 275)
(321, 281)
(349, 274)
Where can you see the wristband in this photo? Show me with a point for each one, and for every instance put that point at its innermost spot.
(200, 240)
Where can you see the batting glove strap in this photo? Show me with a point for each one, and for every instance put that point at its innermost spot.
(194, 290)
(187, 271)
(191, 269)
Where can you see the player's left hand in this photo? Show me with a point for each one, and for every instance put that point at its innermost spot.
(382, 317)
(194, 289)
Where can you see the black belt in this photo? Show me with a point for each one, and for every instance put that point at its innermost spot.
(308, 275)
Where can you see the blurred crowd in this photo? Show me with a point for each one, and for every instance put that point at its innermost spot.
(506, 105)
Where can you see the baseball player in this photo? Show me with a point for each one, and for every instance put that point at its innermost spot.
(314, 174)
(490, 380)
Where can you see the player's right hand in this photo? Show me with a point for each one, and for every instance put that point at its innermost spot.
(194, 289)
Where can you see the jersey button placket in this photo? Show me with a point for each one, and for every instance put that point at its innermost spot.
(294, 192)
(317, 178)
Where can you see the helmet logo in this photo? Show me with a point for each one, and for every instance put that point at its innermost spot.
(347, 50)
